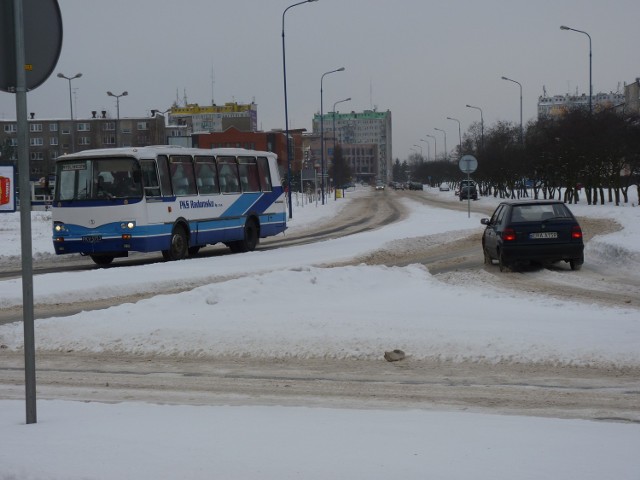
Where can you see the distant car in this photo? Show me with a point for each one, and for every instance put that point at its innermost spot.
(379, 186)
(468, 190)
(444, 187)
(539, 231)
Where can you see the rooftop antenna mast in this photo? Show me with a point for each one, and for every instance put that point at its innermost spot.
(213, 82)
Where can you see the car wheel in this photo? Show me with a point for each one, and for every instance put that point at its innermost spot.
(250, 240)
(487, 258)
(576, 263)
(102, 260)
(179, 245)
(503, 265)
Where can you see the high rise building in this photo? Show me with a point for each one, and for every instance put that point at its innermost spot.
(365, 138)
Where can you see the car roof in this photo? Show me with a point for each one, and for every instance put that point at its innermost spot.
(531, 202)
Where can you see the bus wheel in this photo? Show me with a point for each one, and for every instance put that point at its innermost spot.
(102, 260)
(178, 247)
(250, 239)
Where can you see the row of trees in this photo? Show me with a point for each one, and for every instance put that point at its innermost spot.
(596, 155)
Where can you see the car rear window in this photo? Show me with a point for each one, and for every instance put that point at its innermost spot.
(538, 213)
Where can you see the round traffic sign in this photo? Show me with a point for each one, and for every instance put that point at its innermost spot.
(468, 164)
(42, 30)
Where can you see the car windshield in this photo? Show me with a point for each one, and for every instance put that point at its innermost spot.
(539, 212)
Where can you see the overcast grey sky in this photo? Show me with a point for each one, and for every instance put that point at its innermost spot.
(422, 60)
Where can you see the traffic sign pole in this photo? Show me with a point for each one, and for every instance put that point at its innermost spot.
(468, 164)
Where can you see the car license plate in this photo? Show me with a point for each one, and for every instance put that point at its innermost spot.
(536, 235)
(92, 238)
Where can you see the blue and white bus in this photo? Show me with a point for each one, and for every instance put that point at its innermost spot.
(167, 199)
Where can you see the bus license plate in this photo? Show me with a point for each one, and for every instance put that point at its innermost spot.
(92, 238)
(537, 235)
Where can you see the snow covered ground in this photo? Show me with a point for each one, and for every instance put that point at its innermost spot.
(275, 303)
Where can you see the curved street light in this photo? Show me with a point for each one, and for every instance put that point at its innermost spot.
(445, 142)
(334, 144)
(564, 27)
(435, 146)
(286, 112)
(428, 147)
(520, 85)
(77, 75)
(117, 97)
(341, 69)
(459, 135)
(481, 126)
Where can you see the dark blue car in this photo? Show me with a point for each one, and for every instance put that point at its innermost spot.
(538, 231)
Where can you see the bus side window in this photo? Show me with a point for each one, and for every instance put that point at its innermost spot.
(206, 175)
(249, 174)
(228, 169)
(265, 175)
(165, 177)
(150, 178)
(182, 175)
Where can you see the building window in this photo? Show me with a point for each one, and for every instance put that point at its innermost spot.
(109, 126)
(36, 141)
(84, 141)
(14, 142)
(53, 141)
(36, 156)
(143, 125)
(126, 129)
(84, 127)
(10, 128)
(35, 127)
(53, 154)
(53, 127)
(66, 130)
(109, 140)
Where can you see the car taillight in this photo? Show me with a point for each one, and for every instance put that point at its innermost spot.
(576, 232)
(508, 235)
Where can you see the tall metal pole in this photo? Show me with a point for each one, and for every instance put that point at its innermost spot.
(521, 128)
(435, 147)
(25, 216)
(123, 94)
(445, 142)
(563, 27)
(335, 190)
(77, 75)
(286, 110)
(481, 126)
(459, 135)
(341, 69)
(428, 147)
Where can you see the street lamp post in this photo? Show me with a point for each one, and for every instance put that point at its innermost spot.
(420, 147)
(334, 120)
(428, 147)
(563, 27)
(77, 75)
(459, 135)
(435, 146)
(123, 94)
(335, 172)
(341, 69)
(481, 126)
(520, 85)
(286, 111)
(445, 142)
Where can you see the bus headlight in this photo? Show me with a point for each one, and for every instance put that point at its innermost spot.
(127, 225)
(59, 227)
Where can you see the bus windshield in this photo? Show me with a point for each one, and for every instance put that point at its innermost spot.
(98, 179)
